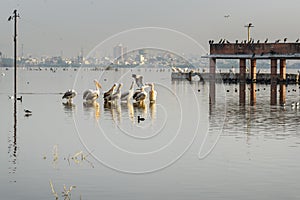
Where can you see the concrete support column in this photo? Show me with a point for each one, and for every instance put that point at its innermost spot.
(242, 95)
(273, 82)
(282, 70)
(273, 70)
(212, 80)
(253, 70)
(242, 70)
(282, 97)
(253, 94)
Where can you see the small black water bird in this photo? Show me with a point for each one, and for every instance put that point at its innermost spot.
(284, 40)
(258, 41)
(297, 40)
(20, 98)
(266, 40)
(277, 41)
(28, 114)
(27, 111)
(140, 119)
(235, 90)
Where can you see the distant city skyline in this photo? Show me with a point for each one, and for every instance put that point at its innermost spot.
(55, 27)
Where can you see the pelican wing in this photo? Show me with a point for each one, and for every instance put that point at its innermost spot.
(140, 96)
(69, 94)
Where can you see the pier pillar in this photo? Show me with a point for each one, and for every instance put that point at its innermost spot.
(282, 97)
(273, 82)
(253, 94)
(282, 70)
(253, 70)
(242, 70)
(242, 95)
(212, 80)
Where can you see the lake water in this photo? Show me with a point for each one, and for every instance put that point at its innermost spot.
(185, 148)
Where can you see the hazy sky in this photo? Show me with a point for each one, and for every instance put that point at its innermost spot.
(50, 27)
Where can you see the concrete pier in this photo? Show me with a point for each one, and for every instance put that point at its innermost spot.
(253, 51)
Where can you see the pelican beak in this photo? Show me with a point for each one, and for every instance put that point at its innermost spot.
(98, 84)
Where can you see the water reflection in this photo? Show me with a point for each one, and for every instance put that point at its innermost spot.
(69, 107)
(92, 109)
(152, 107)
(12, 147)
(115, 110)
(128, 105)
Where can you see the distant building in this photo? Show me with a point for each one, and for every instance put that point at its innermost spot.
(119, 52)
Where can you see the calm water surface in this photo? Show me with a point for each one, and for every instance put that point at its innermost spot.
(185, 148)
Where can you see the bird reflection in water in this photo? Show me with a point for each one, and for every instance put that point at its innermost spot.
(115, 111)
(152, 107)
(89, 107)
(128, 105)
(68, 107)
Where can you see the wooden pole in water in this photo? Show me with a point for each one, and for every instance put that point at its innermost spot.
(15, 16)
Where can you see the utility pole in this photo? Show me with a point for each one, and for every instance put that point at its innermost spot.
(15, 17)
(248, 27)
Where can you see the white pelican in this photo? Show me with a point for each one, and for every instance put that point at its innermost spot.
(126, 96)
(140, 96)
(91, 95)
(138, 80)
(69, 94)
(116, 95)
(152, 93)
(108, 94)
